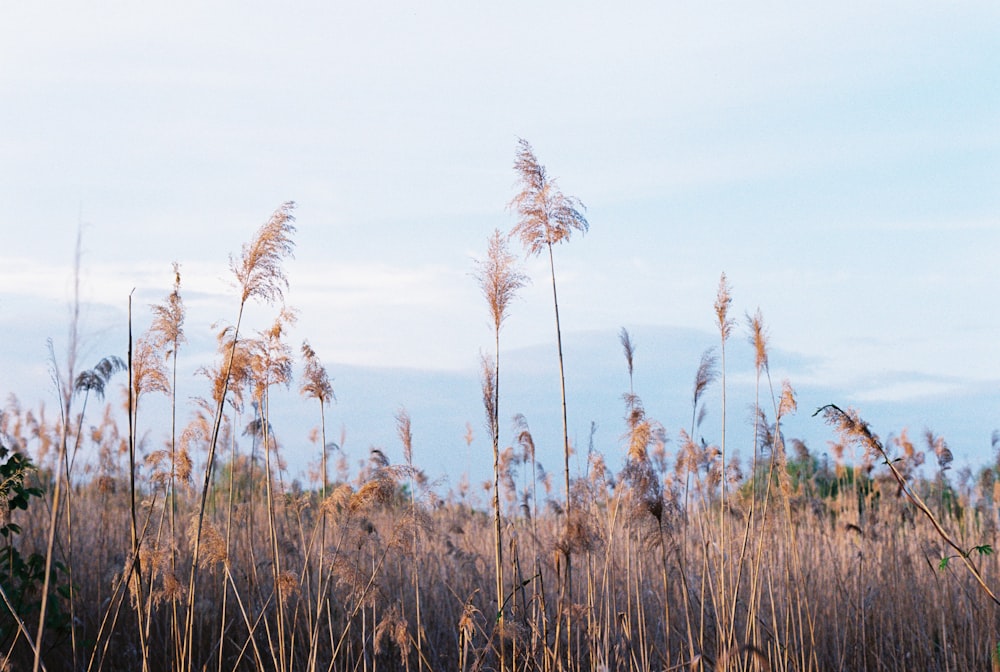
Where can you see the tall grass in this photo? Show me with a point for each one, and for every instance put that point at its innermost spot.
(205, 554)
(547, 217)
(499, 280)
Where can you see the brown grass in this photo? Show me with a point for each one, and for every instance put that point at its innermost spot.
(683, 560)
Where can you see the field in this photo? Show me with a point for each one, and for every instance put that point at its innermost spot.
(201, 555)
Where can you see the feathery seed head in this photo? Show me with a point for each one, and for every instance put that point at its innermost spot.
(628, 347)
(258, 271)
(393, 627)
(288, 584)
(338, 500)
(182, 465)
(270, 357)
(405, 435)
(940, 449)
(598, 468)
(545, 215)
(787, 404)
(524, 438)
(852, 430)
(706, 375)
(95, 379)
(148, 372)
(213, 544)
(315, 381)
(173, 590)
(167, 329)
(499, 278)
(723, 300)
(758, 338)
(376, 491)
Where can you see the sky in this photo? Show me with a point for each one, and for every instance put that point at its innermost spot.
(840, 163)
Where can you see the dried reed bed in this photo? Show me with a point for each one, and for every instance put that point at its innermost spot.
(852, 583)
(202, 554)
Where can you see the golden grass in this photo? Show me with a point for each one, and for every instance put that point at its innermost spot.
(865, 590)
(682, 560)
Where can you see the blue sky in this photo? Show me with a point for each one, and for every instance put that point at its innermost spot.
(841, 164)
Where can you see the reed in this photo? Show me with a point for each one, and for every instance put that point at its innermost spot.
(500, 281)
(316, 385)
(547, 217)
(204, 553)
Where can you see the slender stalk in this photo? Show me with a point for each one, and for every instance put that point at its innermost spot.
(500, 280)
(316, 384)
(547, 217)
(64, 388)
(53, 522)
(134, 528)
(273, 534)
(565, 437)
(722, 304)
(229, 536)
(168, 333)
(497, 531)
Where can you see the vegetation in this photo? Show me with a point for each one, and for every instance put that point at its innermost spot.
(201, 555)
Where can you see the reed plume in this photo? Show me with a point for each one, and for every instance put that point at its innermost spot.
(316, 382)
(96, 379)
(259, 271)
(758, 338)
(938, 446)
(271, 357)
(167, 328)
(706, 374)
(499, 278)
(148, 372)
(629, 349)
(545, 215)
(394, 628)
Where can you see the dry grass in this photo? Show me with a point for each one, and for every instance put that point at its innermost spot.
(682, 560)
(852, 583)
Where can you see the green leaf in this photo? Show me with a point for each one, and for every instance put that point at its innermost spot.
(985, 549)
(944, 563)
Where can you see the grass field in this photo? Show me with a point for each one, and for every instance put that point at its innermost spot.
(197, 553)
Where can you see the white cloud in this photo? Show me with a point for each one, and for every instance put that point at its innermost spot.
(909, 390)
